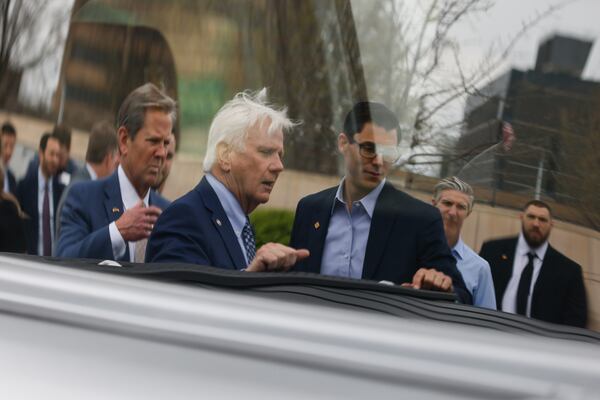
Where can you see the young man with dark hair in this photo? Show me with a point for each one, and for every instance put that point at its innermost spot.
(39, 193)
(365, 228)
(531, 278)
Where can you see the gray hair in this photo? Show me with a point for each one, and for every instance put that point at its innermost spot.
(133, 110)
(454, 183)
(231, 124)
(102, 141)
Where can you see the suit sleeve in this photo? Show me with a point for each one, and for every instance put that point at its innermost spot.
(175, 239)
(77, 240)
(433, 252)
(575, 310)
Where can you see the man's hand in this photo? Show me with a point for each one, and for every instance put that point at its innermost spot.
(431, 279)
(273, 257)
(137, 222)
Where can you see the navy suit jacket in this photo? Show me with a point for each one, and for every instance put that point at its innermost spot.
(195, 229)
(405, 235)
(559, 292)
(87, 212)
(27, 194)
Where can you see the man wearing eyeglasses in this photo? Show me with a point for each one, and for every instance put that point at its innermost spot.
(365, 228)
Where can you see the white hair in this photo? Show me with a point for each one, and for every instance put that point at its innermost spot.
(231, 124)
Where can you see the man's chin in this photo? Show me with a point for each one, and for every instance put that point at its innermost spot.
(534, 241)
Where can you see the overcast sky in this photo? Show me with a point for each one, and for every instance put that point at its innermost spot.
(579, 18)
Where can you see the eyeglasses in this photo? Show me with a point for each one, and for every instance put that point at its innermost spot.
(370, 150)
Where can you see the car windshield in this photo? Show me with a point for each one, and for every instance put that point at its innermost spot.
(502, 94)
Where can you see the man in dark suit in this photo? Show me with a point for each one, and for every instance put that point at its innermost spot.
(101, 160)
(209, 225)
(531, 277)
(365, 228)
(112, 218)
(38, 193)
(7, 144)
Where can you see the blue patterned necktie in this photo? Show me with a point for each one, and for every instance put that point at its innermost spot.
(249, 243)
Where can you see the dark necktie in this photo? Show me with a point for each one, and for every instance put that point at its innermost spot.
(46, 235)
(524, 285)
(249, 243)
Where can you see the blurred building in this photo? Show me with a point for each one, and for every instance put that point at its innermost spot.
(553, 113)
(203, 52)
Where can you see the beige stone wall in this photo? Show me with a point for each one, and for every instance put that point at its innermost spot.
(580, 244)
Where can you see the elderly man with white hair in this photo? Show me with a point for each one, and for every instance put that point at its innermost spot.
(454, 198)
(210, 225)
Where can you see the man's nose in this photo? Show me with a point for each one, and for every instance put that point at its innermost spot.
(378, 160)
(277, 164)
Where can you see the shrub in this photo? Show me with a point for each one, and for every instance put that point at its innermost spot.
(272, 225)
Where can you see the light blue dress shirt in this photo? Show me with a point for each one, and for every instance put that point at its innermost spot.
(348, 234)
(476, 274)
(235, 214)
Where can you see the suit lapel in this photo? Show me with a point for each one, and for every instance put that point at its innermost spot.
(545, 279)
(317, 230)
(113, 203)
(221, 223)
(505, 270)
(381, 224)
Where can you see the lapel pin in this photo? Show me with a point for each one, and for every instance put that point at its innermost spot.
(504, 257)
(116, 209)
(218, 221)
(317, 225)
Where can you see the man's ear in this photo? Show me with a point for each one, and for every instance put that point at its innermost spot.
(123, 138)
(224, 156)
(343, 142)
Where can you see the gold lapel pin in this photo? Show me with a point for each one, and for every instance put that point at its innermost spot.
(218, 221)
(504, 257)
(115, 209)
(317, 225)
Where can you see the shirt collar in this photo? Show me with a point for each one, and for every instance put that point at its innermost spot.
(368, 202)
(230, 204)
(459, 249)
(128, 193)
(91, 171)
(42, 180)
(523, 248)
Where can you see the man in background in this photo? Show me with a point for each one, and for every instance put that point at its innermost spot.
(532, 278)
(454, 198)
(39, 193)
(66, 165)
(8, 141)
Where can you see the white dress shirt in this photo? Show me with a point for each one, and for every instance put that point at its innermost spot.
(130, 198)
(509, 300)
(6, 189)
(41, 184)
